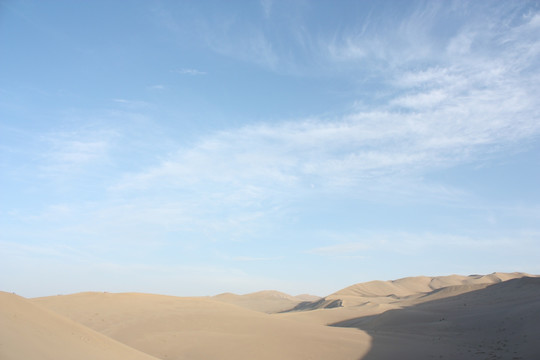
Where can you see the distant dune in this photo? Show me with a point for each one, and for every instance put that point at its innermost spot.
(267, 301)
(170, 327)
(494, 316)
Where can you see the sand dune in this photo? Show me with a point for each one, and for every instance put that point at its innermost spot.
(493, 316)
(395, 291)
(375, 297)
(267, 301)
(500, 321)
(421, 284)
(29, 332)
(202, 328)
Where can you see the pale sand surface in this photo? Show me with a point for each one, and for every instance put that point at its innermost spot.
(267, 301)
(28, 331)
(494, 316)
(376, 297)
(202, 328)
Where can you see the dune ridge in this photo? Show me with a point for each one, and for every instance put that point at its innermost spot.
(28, 331)
(393, 291)
(171, 327)
(267, 301)
(495, 316)
(498, 321)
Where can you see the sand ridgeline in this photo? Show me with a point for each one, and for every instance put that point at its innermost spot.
(202, 328)
(494, 316)
(267, 301)
(499, 321)
(28, 331)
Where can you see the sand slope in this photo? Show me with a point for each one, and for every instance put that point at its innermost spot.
(396, 291)
(201, 328)
(420, 284)
(500, 321)
(267, 301)
(376, 297)
(29, 332)
(495, 316)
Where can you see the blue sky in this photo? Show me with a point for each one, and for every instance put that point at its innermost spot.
(191, 148)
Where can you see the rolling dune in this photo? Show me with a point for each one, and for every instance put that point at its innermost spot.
(494, 316)
(500, 321)
(202, 328)
(266, 301)
(28, 331)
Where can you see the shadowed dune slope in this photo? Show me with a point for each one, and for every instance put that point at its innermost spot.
(500, 321)
(393, 291)
(201, 328)
(29, 332)
(375, 297)
(421, 284)
(494, 316)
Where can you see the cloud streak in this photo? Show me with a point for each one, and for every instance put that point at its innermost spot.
(414, 243)
(71, 152)
(192, 72)
(452, 112)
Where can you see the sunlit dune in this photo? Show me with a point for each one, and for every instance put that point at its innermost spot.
(202, 328)
(455, 317)
(28, 331)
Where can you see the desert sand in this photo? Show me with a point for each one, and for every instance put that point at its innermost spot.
(267, 301)
(494, 316)
(28, 331)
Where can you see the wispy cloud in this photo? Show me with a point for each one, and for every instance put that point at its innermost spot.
(266, 6)
(424, 128)
(69, 152)
(252, 258)
(192, 72)
(435, 117)
(253, 46)
(131, 103)
(458, 108)
(416, 243)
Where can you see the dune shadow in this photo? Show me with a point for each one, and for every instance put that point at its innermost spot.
(500, 321)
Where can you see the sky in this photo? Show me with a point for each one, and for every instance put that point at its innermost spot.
(197, 147)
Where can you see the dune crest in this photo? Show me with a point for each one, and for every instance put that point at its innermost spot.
(28, 331)
(171, 327)
(393, 291)
(498, 321)
(267, 301)
(493, 316)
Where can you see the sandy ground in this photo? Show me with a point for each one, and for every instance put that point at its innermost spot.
(28, 331)
(202, 328)
(494, 316)
(267, 301)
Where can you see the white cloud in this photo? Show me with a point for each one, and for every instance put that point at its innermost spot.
(452, 123)
(421, 100)
(349, 49)
(475, 105)
(461, 44)
(192, 72)
(267, 7)
(253, 258)
(416, 243)
(464, 109)
(70, 152)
